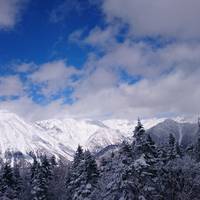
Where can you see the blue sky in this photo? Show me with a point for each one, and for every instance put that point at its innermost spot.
(99, 59)
(39, 37)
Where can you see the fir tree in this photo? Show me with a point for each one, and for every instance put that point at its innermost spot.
(139, 130)
(41, 178)
(79, 155)
(7, 187)
(196, 148)
(74, 177)
(53, 162)
(34, 169)
(17, 181)
(172, 148)
(92, 172)
(126, 149)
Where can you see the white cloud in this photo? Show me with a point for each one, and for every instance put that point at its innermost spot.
(10, 86)
(172, 94)
(169, 74)
(25, 67)
(53, 76)
(170, 18)
(141, 59)
(10, 12)
(102, 37)
(27, 108)
(169, 85)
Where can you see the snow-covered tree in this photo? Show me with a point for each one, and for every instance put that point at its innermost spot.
(173, 150)
(8, 188)
(40, 179)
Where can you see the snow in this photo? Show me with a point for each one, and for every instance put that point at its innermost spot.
(60, 137)
(180, 134)
(140, 162)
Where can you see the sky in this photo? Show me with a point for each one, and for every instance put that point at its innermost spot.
(100, 59)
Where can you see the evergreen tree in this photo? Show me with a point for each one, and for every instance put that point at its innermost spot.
(17, 181)
(179, 150)
(138, 140)
(82, 176)
(139, 130)
(79, 155)
(173, 147)
(125, 149)
(146, 156)
(91, 169)
(7, 186)
(74, 177)
(34, 169)
(196, 148)
(53, 162)
(41, 178)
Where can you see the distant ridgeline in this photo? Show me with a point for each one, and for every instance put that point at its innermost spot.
(159, 164)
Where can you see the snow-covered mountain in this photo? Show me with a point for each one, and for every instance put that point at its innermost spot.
(16, 135)
(60, 137)
(184, 132)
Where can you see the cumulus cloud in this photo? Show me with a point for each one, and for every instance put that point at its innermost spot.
(53, 77)
(24, 67)
(172, 94)
(171, 18)
(99, 37)
(10, 86)
(141, 59)
(168, 75)
(168, 86)
(26, 108)
(10, 12)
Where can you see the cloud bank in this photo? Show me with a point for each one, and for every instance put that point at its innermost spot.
(126, 75)
(171, 18)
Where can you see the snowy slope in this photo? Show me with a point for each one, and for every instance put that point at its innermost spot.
(17, 135)
(184, 132)
(61, 137)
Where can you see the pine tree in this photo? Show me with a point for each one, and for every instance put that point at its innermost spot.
(41, 178)
(82, 176)
(17, 181)
(139, 130)
(196, 148)
(46, 168)
(91, 169)
(74, 176)
(179, 150)
(34, 169)
(79, 155)
(145, 164)
(139, 139)
(172, 148)
(53, 161)
(125, 149)
(7, 188)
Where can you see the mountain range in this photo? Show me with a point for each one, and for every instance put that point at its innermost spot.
(60, 137)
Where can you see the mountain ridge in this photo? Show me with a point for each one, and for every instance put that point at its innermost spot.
(60, 137)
